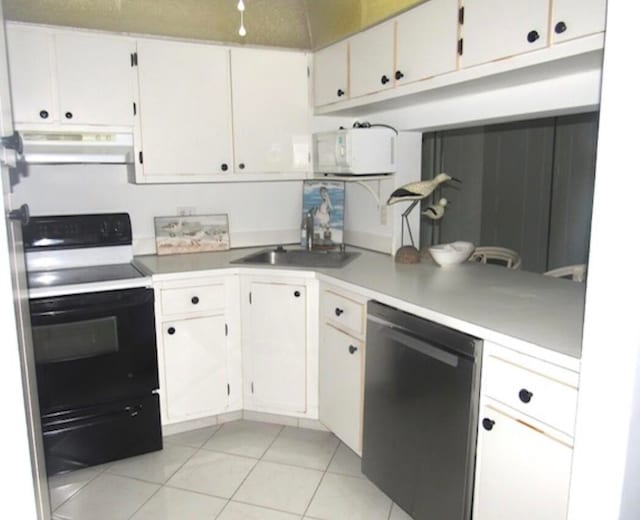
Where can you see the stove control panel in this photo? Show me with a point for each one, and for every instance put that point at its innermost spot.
(77, 231)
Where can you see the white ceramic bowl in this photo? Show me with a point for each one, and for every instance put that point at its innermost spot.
(451, 254)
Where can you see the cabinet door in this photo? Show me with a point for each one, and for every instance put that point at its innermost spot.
(495, 29)
(574, 18)
(185, 108)
(372, 60)
(95, 79)
(426, 41)
(31, 74)
(341, 370)
(522, 472)
(271, 112)
(330, 74)
(195, 365)
(276, 347)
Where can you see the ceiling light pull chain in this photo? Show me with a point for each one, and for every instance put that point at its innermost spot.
(242, 31)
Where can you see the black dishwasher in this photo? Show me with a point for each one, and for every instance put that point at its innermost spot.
(421, 413)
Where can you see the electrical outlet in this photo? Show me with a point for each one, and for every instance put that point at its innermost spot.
(383, 215)
(185, 211)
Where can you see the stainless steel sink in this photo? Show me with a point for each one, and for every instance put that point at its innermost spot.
(298, 258)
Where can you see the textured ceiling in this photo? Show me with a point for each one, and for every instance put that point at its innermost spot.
(306, 24)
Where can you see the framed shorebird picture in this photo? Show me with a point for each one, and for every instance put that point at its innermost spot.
(324, 200)
(192, 234)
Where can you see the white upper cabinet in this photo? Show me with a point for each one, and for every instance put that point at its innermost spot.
(496, 29)
(426, 41)
(372, 60)
(271, 111)
(331, 74)
(95, 79)
(185, 109)
(68, 77)
(574, 18)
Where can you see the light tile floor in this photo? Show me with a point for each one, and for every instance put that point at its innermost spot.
(243, 470)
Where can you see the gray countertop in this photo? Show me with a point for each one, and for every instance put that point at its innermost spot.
(516, 307)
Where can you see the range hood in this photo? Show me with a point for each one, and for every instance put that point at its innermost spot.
(72, 147)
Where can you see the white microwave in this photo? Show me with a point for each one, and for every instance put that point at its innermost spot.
(355, 151)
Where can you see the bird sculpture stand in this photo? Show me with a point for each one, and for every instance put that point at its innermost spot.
(416, 192)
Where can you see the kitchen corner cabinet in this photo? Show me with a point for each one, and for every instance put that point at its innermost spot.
(271, 111)
(574, 18)
(58, 77)
(331, 74)
(341, 364)
(525, 437)
(275, 357)
(372, 60)
(197, 348)
(426, 41)
(185, 110)
(497, 29)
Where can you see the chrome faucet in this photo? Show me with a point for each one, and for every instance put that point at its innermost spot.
(308, 225)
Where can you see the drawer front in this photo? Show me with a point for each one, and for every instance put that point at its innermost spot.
(547, 400)
(187, 300)
(344, 313)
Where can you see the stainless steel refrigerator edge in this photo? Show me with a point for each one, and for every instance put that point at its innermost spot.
(422, 383)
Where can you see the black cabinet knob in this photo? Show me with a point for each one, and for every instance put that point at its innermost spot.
(399, 75)
(524, 395)
(533, 36)
(352, 349)
(560, 27)
(338, 311)
(195, 300)
(171, 331)
(384, 80)
(241, 166)
(296, 294)
(44, 114)
(487, 424)
(224, 167)
(68, 115)
(340, 92)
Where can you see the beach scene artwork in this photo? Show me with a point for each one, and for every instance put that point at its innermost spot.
(325, 201)
(191, 234)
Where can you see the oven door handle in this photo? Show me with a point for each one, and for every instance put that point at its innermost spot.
(90, 419)
(422, 346)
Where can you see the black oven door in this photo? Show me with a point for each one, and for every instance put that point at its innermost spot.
(94, 348)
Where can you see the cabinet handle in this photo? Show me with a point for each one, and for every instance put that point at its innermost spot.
(524, 395)
(224, 167)
(296, 294)
(171, 331)
(339, 311)
(340, 92)
(384, 79)
(44, 114)
(399, 75)
(68, 115)
(241, 166)
(487, 424)
(533, 36)
(195, 300)
(560, 27)
(352, 349)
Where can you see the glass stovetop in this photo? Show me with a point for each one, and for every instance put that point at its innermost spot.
(81, 275)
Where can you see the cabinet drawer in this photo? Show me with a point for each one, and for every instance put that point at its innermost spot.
(547, 400)
(186, 300)
(346, 314)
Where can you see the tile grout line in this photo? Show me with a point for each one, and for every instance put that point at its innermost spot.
(324, 474)
(107, 465)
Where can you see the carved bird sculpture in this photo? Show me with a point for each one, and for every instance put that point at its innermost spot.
(415, 192)
(436, 211)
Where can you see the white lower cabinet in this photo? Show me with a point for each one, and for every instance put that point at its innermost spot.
(275, 345)
(523, 471)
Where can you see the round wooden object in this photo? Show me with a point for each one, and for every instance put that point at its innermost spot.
(407, 255)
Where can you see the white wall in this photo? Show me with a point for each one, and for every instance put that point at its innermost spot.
(259, 213)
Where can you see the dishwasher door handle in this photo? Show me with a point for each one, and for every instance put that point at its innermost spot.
(422, 346)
